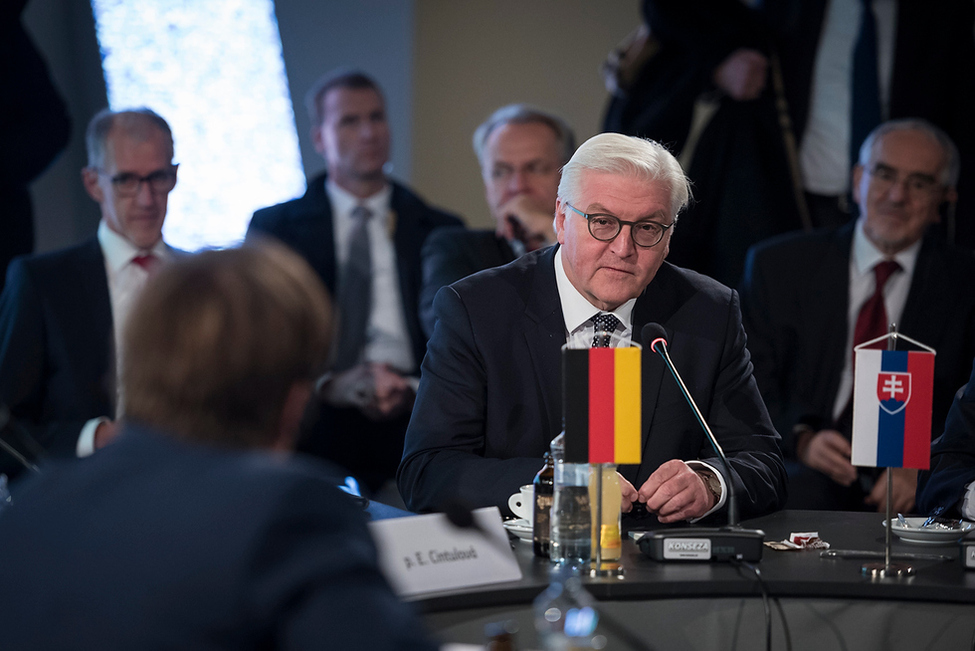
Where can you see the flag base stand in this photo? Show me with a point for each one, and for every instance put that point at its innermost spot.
(887, 570)
(606, 570)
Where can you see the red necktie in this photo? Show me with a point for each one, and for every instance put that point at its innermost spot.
(872, 320)
(871, 323)
(146, 261)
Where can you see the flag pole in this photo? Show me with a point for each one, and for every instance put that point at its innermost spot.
(598, 524)
(888, 569)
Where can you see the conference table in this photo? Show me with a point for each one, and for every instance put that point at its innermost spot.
(814, 602)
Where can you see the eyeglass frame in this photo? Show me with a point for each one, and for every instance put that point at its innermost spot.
(117, 179)
(621, 223)
(878, 169)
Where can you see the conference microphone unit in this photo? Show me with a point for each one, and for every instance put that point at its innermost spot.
(728, 543)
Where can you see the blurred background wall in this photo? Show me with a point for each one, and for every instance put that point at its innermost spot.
(444, 66)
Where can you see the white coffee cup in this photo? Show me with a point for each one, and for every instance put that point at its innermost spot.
(522, 503)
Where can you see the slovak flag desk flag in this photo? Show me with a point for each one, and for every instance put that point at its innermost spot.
(892, 393)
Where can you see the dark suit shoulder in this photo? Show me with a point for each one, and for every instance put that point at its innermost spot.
(478, 248)
(955, 259)
(84, 253)
(309, 205)
(516, 276)
(53, 270)
(406, 202)
(453, 237)
(688, 281)
(789, 248)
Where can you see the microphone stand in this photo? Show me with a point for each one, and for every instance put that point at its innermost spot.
(732, 497)
(728, 543)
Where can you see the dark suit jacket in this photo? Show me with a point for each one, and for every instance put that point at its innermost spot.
(952, 458)
(305, 224)
(453, 253)
(56, 347)
(153, 543)
(490, 403)
(795, 297)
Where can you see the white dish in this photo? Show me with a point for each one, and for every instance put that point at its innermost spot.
(915, 534)
(520, 528)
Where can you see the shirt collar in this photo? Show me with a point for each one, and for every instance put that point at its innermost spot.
(119, 251)
(576, 308)
(866, 255)
(344, 201)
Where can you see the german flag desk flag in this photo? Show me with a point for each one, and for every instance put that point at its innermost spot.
(601, 405)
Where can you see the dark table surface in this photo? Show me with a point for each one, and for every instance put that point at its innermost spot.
(785, 573)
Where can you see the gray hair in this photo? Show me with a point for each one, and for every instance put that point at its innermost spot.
(524, 114)
(340, 78)
(640, 158)
(949, 173)
(136, 122)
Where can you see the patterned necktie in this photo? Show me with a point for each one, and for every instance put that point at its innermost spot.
(354, 295)
(605, 325)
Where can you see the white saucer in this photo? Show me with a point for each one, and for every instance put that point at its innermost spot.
(915, 534)
(520, 528)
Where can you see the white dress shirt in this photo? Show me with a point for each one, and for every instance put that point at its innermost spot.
(387, 338)
(125, 281)
(863, 258)
(577, 312)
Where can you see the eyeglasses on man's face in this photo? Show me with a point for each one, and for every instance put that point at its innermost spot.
(127, 184)
(916, 185)
(645, 233)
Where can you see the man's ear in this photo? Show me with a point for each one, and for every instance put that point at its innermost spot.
(560, 220)
(291, 415)
(946, 209)
(89, 177)
(316, 139)
(857, 175)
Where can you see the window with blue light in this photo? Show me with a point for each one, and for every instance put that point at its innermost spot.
(214, 70)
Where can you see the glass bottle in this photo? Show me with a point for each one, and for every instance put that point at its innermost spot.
(569, 541)
(544, 488)
(565, 617)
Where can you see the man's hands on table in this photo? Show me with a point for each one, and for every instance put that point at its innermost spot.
(674, 492)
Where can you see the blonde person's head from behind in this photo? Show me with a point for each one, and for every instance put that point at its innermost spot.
(223, 347)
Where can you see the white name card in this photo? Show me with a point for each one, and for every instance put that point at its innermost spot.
(426, 553)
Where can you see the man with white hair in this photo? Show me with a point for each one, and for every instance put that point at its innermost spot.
(489, 400)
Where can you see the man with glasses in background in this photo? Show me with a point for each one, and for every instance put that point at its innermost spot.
(521, 150)
(489, 401)
(808, 299)
(62, 313)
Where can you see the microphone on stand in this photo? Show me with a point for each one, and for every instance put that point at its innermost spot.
(700, 543)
